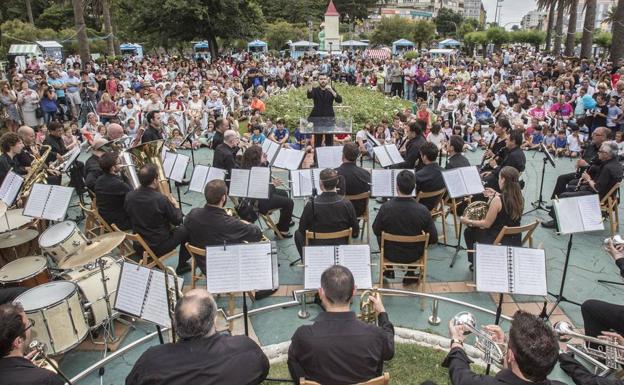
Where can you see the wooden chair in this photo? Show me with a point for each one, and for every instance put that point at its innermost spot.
(148, 253)
(342, 234)
(609, 205)
(270, 223)
(511, 230)
(95, 225)
(381, 380)
(438, 210)
(364, 217)
(420, 264)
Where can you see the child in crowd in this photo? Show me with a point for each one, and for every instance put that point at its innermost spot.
(302, 141)
(447, 130)
(549, 139)
(424, 114)
(257, 137)
(436, 136)
(488, 135)
(614, 114)
(535, 141)
(131, 127)
(280, 134)
(561, 144)
(382, 134)
(173, 125)
(41, 134)
(574, 143)
(619, 139)
(69, 139)
(471, 139)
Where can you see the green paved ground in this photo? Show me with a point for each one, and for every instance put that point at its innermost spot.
(588, 263)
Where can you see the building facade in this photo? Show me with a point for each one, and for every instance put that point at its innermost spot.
(472, 9)
(416, 9)
(535, 19)
(602, 8)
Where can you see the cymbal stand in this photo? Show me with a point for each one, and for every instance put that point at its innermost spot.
(109, 324)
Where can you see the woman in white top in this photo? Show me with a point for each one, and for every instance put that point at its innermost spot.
(28, 100)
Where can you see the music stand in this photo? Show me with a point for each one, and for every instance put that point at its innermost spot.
(188, 138)
(539, 204)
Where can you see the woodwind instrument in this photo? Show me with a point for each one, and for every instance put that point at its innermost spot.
(37, 174)
(489, 146)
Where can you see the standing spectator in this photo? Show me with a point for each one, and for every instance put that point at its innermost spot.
(29, 102)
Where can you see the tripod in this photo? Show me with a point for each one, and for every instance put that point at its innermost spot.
(560, 297)
(539, 204)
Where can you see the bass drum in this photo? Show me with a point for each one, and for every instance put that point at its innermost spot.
(89, 280)
(61, 240)
(26, 272)
(58, 316)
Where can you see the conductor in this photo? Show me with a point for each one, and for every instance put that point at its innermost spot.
(322, 115)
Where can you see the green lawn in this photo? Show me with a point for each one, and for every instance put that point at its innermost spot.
(412, 364)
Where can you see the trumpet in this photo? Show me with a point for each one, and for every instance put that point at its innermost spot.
(367, 310)
(608, 352)
(45, 362)
(483, 340)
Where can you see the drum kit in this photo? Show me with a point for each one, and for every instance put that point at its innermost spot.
(71, 287)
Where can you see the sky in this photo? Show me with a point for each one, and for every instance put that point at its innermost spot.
(512, 10)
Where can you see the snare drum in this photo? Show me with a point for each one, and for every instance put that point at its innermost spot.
(26, 272)
(61, 240)
(89, 280)
(59, 321)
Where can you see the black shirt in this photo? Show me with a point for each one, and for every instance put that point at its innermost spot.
(57, 147)
(429, 179)
(151, 134)
(610, 173)
(7, 164)
(339, 349)
(217, 139)
(357, 181)
(92, 172)
(323, 102)
(214, 360)
(20, 371)
(151, 214)
(412, 153)
(404, 216)
(331, 213)
(110, 193)
(224, 157)
(579, 373)
(456, 161)
(514, 158)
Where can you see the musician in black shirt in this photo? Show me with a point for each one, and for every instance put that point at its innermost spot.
(429, 177)
(54, 139)
(11, 145)
(202, 356)
(496, 148)
(356, 179)
(16, 367)
(455, 149)
(514, 157)
(322, 115)
(92, 168)
(154, 129)
(338, 348)
(110, 192)
(225, 153)
(415, 139)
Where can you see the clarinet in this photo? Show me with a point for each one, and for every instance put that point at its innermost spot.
(489, 146)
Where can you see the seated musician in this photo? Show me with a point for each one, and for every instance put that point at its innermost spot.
(225, 153)
(54, 139)
(504, 209)
(327, 213)
(338, 348)
(278, 198)
(498, 144)
(455, 149)
(114, 131)
(211, 225)
(31, 151)
(16, 368)
(404, 216)
(201, 355)
(92, 165)
(11, 145)
(414, 139)
(356, 179)
(110, 192)
(153, 214)
(514, 157)
(588, 158)
(8, 294)
(531, 354)
(154, 127)
(429, 177)
(598, 179)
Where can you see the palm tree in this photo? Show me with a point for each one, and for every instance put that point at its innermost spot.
(559, 27)
(550, 5)
(31, 20)
(617, 46)
(571, 35)
(588, 29)
(81, 31)
(108, 28)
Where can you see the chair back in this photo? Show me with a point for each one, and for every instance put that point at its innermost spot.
(430, 194)
(311, 236)
(381, 380)
(360, 197)
(610, 195)
(422, 238)
(147, 251)
(512, 230)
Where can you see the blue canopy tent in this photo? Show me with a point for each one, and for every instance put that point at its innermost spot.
(131, 49)
(401, 46)
(257, 46)
(299, 48)
(448, 43)
(201, 51)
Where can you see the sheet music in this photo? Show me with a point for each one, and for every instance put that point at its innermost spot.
(175, 166)
(71, 159)
(372, 139)
(222, 270)
(529, 271)
(132, 288)
(198, 179)
(239, 179)
(155, 308)
(578, 214)
(270, 148)
(492, 268)
(256, 266)
(275, 265)
(317, 259)
(382, 183)
(289, 159)
(382, 156)
(589, 208)
(304, 180)
(259, 183)
(454, 183)
(472, 180)
(10, 188)
(394, 153)
(356, 258)
(58, 203)
(37, 200)
(329, 157)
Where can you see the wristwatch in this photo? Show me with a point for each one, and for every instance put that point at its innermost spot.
(456, 341)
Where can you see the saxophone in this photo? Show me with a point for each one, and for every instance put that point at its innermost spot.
(37, 173)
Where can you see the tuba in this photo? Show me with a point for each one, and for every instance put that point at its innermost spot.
(477, 210)
(367, 310)
(146, 153)
(493, 354)
(37, 174)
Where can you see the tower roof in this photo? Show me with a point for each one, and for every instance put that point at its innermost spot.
(331, 9)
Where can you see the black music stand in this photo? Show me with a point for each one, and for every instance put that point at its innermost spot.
(610, 282)
(560, 297)
(539, 204)
(188, 138)
(499, 311)
(314, 194)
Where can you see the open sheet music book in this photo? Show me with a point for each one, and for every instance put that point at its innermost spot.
(204, 174)
(384, 183)
(373, 140)
(175, 165)
(303, 181)
(507, 269)
(241, 267)
(356, 258)
(329, 157)
(387, 155)
(252, 183)
(142, 293)
(462, 181)
(578, 214)
(48, 202)
(271, 149)
(10, 188)
(289, 159)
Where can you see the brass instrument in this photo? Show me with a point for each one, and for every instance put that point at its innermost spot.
(367, 309)
(60, 164)
(609, 351)
(118, 145)
(483, 340)
(173, 294)
(137, 138)
(476, 211)
(45, 362)
(37, 173)
(146, 153)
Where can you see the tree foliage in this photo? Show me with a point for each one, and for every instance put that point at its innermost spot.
(391, 29)
(292, 11)
(277, 34)
(448, 22)
(423, 32)
(603, 40)
(497, 36)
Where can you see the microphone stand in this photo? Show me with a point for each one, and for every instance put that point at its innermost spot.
(188, 139)
(539, 203)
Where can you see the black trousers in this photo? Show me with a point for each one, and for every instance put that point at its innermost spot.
(474, 235)
(176, 238)
(601, 316)
(8, 294)
(318, 140)
(562, 182)
(279, 200)
(299, 242)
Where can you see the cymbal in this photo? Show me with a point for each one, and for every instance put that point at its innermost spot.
(15, 219)
(17, 237)
(96, 248)
(3, 208)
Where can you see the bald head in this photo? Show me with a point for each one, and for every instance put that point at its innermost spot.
(230, 137)
(27, 135)
(195, 315)
(114, 131)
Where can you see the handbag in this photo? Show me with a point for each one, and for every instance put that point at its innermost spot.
(39, 111)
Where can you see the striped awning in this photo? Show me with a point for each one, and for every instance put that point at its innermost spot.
(24, 49)
(382, 53)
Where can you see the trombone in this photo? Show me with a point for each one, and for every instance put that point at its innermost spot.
(483, 340)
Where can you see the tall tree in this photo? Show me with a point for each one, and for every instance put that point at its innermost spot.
(570, 42)
(448, 21)
(550, 5)
(390, 29)
(588, 29)
(424, 32)
(108, 27)
(81, 31)
(559, 28)
(617, 47)
(29, 11)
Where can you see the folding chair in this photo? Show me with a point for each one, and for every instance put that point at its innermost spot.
(438, 209)
(512, 230)
(609, 205)
(148, 253)
(95, 225)
(269, 222)
(364, 216)
(381, 380)
(342, 234)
